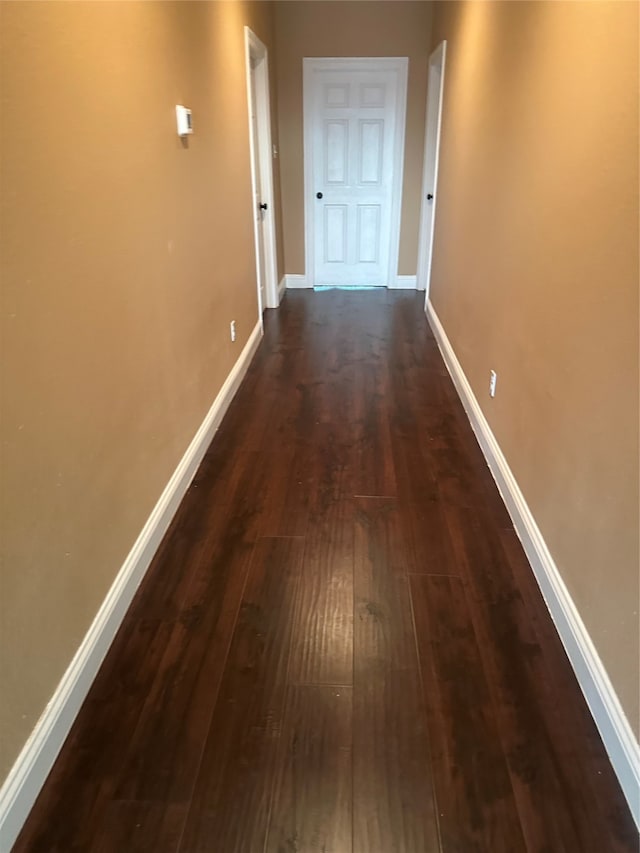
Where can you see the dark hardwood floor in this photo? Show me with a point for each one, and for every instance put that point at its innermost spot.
(340, 645)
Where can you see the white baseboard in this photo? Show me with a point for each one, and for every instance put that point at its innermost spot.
(28, 774)
(401, 282)
(612, 723)
(295, 282)
(282, 286)
(404, 282)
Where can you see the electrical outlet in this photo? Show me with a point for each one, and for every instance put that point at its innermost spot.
(492, 383)
(232, 329)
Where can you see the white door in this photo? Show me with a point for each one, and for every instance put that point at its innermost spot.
(257, 71)
(354, 134)
(259, 208)
(435, 89)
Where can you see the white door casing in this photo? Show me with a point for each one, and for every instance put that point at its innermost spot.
(354, 121)
(257, 74)
(435, 91)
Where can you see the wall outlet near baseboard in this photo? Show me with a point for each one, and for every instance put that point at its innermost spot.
(232, 330)
(493, 378)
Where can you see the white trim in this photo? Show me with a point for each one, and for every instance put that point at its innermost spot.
(400, 64)
(255, 49)
(403, 282)
(296, 282)
(28, 774)
(425, 244)
(612, 723)
(282, 286)
(398, 166)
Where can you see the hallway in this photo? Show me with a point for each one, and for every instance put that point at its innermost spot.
(340, 645)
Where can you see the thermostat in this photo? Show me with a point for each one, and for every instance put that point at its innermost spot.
(183, 118)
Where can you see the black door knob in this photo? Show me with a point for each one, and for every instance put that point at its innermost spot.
(429, 196)
(318, 195)
(264, 206)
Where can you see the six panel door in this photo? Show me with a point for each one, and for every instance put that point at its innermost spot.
(353, 133)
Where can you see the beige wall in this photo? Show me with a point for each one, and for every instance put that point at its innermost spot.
(306, 29)
(124, 256)
(535, 275)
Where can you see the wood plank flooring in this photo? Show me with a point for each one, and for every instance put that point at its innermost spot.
(340, 646)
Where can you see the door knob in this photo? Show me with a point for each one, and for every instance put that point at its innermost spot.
(264, 206)
(318, 195)
(429, 196)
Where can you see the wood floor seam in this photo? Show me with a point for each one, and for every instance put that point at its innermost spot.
(437, 813)
(432, 575)
(195, 779)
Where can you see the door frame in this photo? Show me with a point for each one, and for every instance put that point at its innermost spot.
(400, 64)
(261, 148)
(425, 240)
